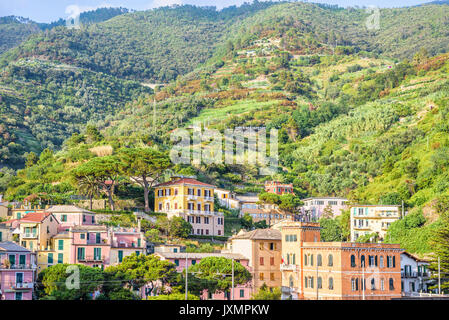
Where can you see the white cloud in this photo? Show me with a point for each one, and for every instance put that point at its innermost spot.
(164, 3)
(76, 9)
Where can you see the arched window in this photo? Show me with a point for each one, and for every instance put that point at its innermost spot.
(319, 261)
(381, 261)
(319, 283)
(330, 260)
(305, 259)
(352, 260)
(362, 261)
(373, 284)
(331, 283)
(391, 284)
(311, 259)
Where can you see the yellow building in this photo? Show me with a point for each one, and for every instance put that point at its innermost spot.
(59, 251)
(21, 211)
(263, 248)
(372, 219)
(36, 230)
(192, 200)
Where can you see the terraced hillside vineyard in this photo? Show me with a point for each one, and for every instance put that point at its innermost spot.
(361, 113)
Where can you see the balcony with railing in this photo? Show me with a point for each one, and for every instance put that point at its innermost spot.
(93, 258)
(362, 227)
(19, 285)
(26, 266)
(125, 245)
(28, 235)
(415, 274)
(202, 212)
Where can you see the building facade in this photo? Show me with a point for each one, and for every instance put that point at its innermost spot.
(18, 211)
(278, 187)
(91, 245)
(193, 201)
(69, 216)
(5, 233)
(262, 248)
(315, 207)
(17, 272)
(336, 270)
(227, 198)
(126, 241)
(37, 229)
(414, 274)
(372, 219)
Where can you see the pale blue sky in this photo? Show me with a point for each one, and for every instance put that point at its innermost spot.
(51, 10)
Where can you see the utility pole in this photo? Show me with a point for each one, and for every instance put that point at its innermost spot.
(402, 208)
(317, 279)
(363, 281)
(439, 277)
(186, 279)
(232, 289)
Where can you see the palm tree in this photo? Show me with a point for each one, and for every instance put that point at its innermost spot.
(88, 187)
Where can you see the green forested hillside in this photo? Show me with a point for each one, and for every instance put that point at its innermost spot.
(154, 45)
(14, 30)
(158, 45)
(43, 103)
(360, 113)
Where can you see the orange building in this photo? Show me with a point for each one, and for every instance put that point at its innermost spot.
(262, 247)
(278, 187)
(336, 270)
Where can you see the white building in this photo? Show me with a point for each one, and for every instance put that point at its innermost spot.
(227, 198)
(315, 207)
(415, 276)
(369, 219)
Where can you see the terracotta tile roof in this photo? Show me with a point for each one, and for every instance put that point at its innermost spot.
(260, 234)
(185, 181)
(35, 217)
(9, 221)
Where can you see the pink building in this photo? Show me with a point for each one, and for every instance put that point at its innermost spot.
(278, 187)
(183, 259)
(126, 241)
(69, 216)
(91, 245)
(17, 272)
